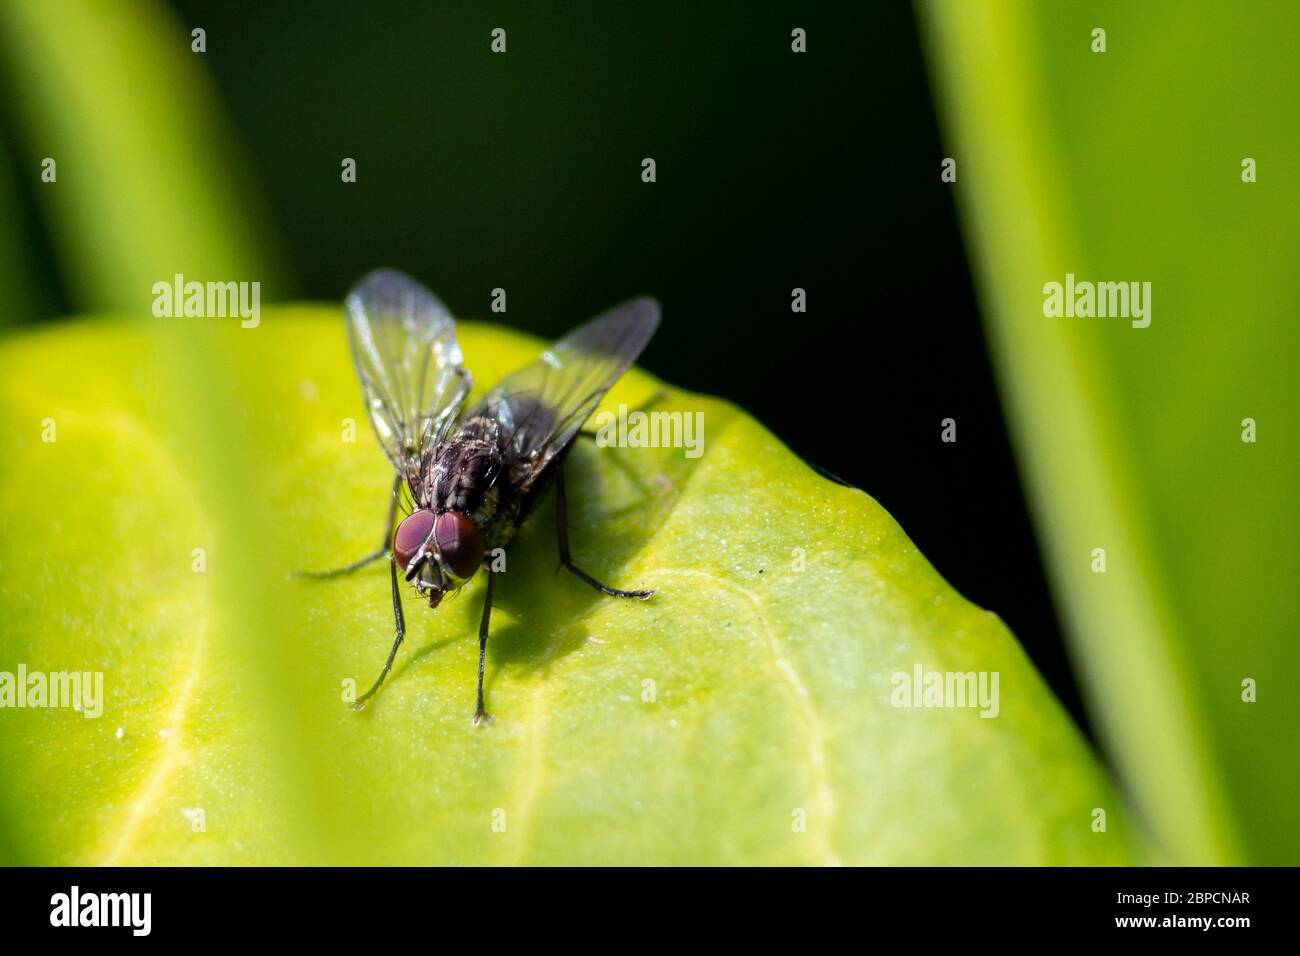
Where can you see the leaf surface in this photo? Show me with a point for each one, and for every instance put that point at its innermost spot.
(745, 714)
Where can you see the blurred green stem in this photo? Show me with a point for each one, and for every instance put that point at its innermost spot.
(148, 179)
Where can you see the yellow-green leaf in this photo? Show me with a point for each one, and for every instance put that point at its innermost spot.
(745, 714)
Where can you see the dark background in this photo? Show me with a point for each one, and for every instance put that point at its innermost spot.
(775, 170)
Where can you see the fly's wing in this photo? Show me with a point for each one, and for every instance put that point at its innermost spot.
(541, 407)
(404, 345)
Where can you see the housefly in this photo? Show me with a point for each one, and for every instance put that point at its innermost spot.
(472, 473)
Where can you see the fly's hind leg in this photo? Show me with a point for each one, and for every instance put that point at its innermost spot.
(562, 539)
(360, 563)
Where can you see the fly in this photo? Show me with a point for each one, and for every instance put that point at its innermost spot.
(473, 474)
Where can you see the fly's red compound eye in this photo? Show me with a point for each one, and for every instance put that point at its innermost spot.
(459, 543)
(411, 533)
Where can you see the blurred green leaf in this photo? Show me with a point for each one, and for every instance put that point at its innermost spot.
(19, 290)
(149, 180)
(772, 686)
(1126, 166)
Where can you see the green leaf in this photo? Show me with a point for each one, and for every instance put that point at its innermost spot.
(786, 605)
(1127, 166)
(22, 297)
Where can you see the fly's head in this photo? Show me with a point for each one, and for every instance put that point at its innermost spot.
(437, 552)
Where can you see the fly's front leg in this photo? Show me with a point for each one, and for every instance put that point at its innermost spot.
(400, 619)
(479, 713)
(356, 565)
(360, 563)
(562, 539)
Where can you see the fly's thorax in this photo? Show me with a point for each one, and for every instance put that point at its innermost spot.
(465, 468)
(479, 428)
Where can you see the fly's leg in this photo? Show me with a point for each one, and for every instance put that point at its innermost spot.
(356, 565)
(562, 539)
(360, 563)
(479, 713)
(397, 642)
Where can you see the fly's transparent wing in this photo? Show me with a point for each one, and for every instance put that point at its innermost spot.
(404, 345)
(541, 407)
